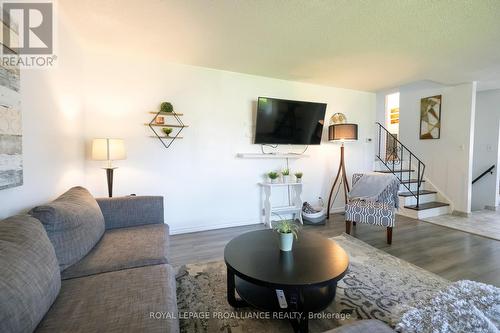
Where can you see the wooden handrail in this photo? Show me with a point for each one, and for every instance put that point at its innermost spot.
(490, 170)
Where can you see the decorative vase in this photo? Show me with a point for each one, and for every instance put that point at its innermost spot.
(286, 242)
(299, 180)
(286, 178)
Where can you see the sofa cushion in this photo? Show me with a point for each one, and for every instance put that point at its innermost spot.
(74, 224)
(29, 274)
(121, 301)
(124, 248)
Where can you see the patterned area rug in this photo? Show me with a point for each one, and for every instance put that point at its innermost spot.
(376, 286)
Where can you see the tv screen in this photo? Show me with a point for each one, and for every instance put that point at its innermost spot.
(282, 121)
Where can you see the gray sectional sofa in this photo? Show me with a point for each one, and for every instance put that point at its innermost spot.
(79, 264)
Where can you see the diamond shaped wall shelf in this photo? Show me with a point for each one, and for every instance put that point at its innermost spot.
(170, 120)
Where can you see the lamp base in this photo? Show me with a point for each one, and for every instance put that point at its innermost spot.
(109, 177)
(340, 173)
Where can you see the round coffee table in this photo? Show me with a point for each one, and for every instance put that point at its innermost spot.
(306, 276)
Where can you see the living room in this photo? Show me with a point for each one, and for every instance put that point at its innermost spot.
(178, 92)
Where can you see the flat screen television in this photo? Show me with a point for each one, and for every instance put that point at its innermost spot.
(281, 121)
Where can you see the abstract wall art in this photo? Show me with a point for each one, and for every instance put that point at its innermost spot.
(430, 117)
(11, 158)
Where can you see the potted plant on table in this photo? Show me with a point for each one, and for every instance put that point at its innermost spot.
(273, 176)
(299, 175)
(286, 175)
(287, 230)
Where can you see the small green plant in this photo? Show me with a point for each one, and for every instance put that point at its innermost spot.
(285, 172)
(272, 175)
(287, 227)
(167, 130)
(166, 107)
(298, 175)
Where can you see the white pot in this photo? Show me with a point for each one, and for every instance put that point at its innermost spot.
(286, 179)
(274, 181)
(299, 180)
(286, 242)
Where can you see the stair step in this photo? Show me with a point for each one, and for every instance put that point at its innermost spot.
(395, 171)
(408, 181)
(422, 192)
(428, 205)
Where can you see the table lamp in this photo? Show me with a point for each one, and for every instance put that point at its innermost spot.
(341, 132)
(108, 150)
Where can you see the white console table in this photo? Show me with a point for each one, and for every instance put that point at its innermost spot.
(295, 201)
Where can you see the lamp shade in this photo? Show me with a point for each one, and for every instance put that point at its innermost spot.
(343, 132)
(108, 149)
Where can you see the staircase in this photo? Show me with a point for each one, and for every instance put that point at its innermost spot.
(417, 198)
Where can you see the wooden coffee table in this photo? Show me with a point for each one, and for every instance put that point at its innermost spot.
(307, 275)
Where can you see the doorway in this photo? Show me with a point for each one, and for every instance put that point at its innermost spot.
(392, 125)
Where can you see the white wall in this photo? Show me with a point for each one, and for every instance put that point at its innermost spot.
(448, 159)
(486, 137)
(51, 104)
(204, 184)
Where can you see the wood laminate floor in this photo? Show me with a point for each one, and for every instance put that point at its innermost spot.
(452, 254)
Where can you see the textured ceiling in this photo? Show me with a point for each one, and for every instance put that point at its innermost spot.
(366, 45)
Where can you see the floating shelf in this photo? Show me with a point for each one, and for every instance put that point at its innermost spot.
(279, 184)
(270, 156)
(166, 125)
(166, 141)
(167, 113)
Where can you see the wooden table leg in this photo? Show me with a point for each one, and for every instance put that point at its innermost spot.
(231, 292)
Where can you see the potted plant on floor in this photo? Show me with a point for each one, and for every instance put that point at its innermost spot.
(273, 176)
(287, 230)
(298, 176)
(286, 175)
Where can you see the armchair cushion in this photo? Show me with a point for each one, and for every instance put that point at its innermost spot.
(375, 213)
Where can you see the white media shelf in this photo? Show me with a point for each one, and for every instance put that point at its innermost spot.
(294, 208)
(270, 155)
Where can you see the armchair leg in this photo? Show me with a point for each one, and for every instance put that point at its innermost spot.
(389, 235)
(348, 227)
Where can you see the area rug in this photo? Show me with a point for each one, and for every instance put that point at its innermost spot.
(376, 286)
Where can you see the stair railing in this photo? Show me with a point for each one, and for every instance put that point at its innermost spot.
(490, 170)
(392, 155)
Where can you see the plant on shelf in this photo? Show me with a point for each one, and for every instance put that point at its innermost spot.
(273, 176)
(166, 107)
(167, 130)
(299, 175)
(286, 175)
(288, 229)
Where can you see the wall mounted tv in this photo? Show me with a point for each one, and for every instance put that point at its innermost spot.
(281, 121)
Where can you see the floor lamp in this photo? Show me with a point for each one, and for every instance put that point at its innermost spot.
(342, 133)
(108, 150)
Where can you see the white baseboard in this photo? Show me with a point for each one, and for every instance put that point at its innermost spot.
(185, 230)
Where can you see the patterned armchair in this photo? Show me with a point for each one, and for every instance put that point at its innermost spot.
(381, 212)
